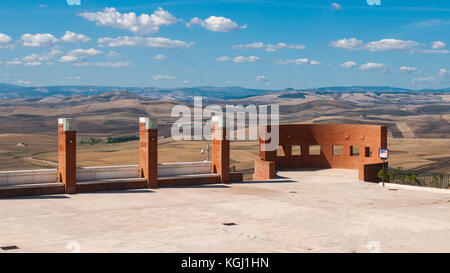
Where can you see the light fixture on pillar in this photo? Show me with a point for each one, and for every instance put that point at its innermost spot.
(207, 148)
(68, 124)
(150, 122)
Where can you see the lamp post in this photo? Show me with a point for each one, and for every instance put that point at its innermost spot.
(383, 154)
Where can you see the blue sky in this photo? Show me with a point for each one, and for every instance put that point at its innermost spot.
(257, 44)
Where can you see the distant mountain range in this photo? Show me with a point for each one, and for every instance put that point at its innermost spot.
(9, 91)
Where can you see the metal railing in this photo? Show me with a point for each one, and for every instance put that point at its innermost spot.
(422, 179)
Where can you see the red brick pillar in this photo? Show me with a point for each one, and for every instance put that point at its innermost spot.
(264, 166)
(148, 143)
(67, 150)
(263, 139)
(220, 149)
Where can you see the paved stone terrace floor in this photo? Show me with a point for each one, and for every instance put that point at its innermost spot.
(305, 211)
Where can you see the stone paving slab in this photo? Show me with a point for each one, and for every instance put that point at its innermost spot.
(302, 211)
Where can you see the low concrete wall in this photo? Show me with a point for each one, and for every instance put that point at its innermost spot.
(107, 172)
(10, 178)
(173, 169)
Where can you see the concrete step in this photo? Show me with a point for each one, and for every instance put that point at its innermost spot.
(111, 184)
(236, 177)
(185, 180)
(32, 189)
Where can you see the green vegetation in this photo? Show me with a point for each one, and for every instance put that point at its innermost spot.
(119, 139)
(109, 140)
(91, 141)
(399, 176)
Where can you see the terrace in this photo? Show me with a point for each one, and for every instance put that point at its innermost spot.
(301, 211)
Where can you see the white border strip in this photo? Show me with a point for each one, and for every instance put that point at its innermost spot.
(415, 188)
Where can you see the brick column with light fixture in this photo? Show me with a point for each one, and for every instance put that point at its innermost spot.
(148, 146)
(67, 162)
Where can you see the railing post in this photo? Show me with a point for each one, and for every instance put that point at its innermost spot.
(148, 147)
(220, 149)
(67, 159)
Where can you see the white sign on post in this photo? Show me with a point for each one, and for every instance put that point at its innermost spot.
(384, 153)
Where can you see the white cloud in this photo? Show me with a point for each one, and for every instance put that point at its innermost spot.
(85, 52)
(160, 57)
(32, 63)
(217, 24)
(38, 40)
(349, 64)
(299, 61)
(381, 45)
(391, 44)
(268, 47)
(142, 24)
(113, 54)
(79, 54)
(162, 77)
(11, 75)
(261, 78)
(430, 79)
(249, 59)
(434, 51)
(46, 56)
(432, 23)
(68, 59)
(5, 41)
(104, 64)
(35, 59)
(373, 66)
(185, 81)
(72, 37)
(73, 2)
(336, 6)
(438, 45)
(444, 72)
(409, 69)
(72, 78)
(234, 83)
(351, 44)
(223, 59)
(23, 82)
(16, 61)
(442, 77)
(155, 42)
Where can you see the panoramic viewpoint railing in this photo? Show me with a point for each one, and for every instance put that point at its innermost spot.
(422, 179)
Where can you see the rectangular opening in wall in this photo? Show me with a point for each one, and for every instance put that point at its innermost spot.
(338, 149)
(296, 150)
(354, 150)
(279, 151)
(368, 152)
(314, 149)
